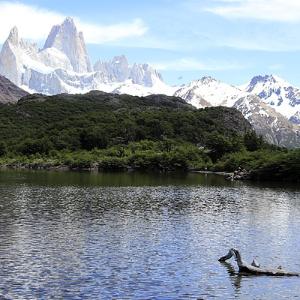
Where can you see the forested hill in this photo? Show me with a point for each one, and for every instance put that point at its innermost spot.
(100, 120)
(113, 132)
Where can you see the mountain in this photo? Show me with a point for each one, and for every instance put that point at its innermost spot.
(209, 92)
(69, 41)
(272, 125)
(9, 92)
(63, 66)
(267, 122)
(137, 80)
(277, 93)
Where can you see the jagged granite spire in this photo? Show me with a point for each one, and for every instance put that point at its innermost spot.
(144, 74)
(13, 36)
(116, 69)
(9, 64)
(67, 39)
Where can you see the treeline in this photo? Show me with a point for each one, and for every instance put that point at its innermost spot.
(118, 132)
(264, 164)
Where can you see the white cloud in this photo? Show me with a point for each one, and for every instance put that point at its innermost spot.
(95, 34)
(269, 10)
(34, 23)
(191, 64)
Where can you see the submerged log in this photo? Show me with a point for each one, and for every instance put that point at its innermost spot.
(254, 268)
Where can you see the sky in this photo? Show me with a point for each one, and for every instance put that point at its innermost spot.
(231, 40)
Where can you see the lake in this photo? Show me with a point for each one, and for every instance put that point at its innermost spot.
(66, 235)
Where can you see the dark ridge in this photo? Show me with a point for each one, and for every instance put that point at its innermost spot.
(9, 92)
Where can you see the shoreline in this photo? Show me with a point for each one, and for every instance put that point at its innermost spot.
(213, 172)
(95, 168)
(229, 176)
(237, 175)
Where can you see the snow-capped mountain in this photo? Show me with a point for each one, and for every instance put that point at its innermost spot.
(119, 70)
(63, 66)
(277, 93)
(209, 92)
(268, 122)
(69, 41)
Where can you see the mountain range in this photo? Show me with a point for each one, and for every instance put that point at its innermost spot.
(62, 65)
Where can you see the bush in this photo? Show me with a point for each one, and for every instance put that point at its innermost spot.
(113, 163)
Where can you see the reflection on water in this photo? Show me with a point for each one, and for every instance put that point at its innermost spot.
(138, 236)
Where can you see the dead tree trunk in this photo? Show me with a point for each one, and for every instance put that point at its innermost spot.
(254, 268)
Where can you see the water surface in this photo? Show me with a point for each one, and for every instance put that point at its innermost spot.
(140, 236)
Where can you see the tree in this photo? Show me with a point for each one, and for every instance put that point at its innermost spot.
(218, 145)
(252, 141)
(31, 146)
(93, 138)
(3, 149)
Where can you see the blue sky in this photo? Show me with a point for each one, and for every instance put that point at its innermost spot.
(232, 40)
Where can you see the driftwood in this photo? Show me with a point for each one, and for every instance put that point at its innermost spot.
(254, 268)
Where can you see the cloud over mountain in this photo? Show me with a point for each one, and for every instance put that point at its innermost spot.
(27, 17)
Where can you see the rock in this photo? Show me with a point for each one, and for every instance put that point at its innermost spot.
(9, 92)
(69, 41)
(239, 174)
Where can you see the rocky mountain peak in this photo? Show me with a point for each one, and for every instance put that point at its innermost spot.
(207, 80)
(266, 81)
(276, 92)
(144, 74)
(119, 70)
(67, 39)
(262, 78)
(13, 36)
(69, 23)
(115, 70)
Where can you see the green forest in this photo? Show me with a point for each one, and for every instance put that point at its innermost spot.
(121, 132)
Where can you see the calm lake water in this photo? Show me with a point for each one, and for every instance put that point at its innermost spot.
(136, 236)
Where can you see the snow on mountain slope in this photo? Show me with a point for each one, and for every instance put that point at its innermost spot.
(55, 59)
(277, 93)
(295, 118)
(19, 58)
(145, 75)
(128, 87)
(119, 70)
(115, 70)
(209, 92)
(274, 127)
